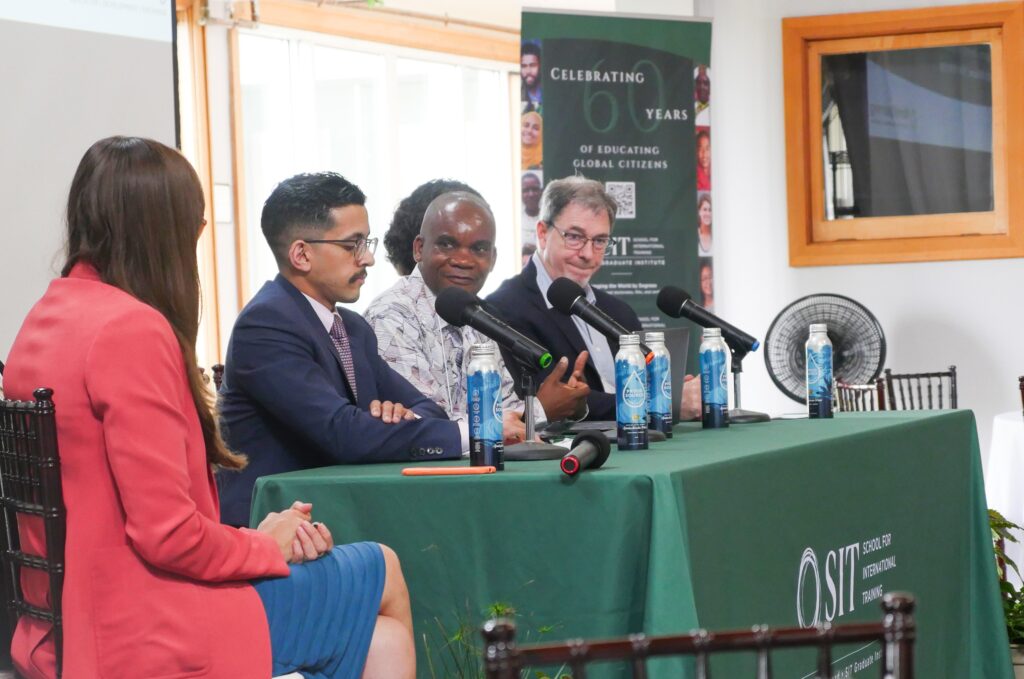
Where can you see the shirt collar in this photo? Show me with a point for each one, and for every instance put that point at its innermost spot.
(416, 277)
(325, 315)
(544, 282)
(428, 296)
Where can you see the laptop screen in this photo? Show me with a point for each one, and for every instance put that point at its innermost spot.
(677, 341)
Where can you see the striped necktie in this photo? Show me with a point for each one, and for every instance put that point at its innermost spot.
(340, 339)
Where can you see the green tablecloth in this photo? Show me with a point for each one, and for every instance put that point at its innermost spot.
(778, 523)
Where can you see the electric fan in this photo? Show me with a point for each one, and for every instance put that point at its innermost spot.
(858, 343)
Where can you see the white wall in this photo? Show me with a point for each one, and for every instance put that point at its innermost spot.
(54, 107)
(968, 313)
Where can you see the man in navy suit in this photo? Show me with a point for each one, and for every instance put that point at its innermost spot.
(303, 383)
(573, 233)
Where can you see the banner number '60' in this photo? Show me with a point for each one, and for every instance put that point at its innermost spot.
(594, 108)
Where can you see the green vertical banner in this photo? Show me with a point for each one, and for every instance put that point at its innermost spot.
(626, 101)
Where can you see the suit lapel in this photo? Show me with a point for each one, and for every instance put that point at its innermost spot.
(316, 329)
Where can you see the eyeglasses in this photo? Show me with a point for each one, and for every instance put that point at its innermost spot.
(357, 246)
(577, 241)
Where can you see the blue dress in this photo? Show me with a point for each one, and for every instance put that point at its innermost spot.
(322, 616)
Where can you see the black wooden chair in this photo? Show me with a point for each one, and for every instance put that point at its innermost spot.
(217, 372)
(30, 485)
(218, 375)
(861, 397)
(921, 391)
(503, 659)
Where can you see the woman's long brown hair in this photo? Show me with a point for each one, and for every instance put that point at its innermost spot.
(135, 212)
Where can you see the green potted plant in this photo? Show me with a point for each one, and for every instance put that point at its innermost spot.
(1013, 598)
(461, 654)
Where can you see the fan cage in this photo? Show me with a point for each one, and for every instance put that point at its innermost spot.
(858, 342)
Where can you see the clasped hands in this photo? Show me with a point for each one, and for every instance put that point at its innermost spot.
(299, 539)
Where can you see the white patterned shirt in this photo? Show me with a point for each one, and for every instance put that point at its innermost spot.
(428, 351)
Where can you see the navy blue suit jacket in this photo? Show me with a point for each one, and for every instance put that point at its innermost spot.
(519, 303)
(285, 401)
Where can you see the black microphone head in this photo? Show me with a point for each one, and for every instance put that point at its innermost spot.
(671, 300)
(600, 441)
(451, 305)
(562, 293)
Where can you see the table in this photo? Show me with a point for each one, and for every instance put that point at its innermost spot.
(1004, 478)
(781, 523)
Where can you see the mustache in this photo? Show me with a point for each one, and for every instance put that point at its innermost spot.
(354, 278)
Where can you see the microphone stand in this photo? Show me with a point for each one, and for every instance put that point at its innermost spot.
(738, 415)
(530, 449)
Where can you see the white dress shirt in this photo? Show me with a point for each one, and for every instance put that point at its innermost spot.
(597, 344)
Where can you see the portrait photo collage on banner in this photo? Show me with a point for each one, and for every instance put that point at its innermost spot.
(532, 142)
(702, 130)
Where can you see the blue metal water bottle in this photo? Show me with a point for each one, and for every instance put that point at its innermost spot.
(714, 380)
(819, 372)
(631, 394)
(486, 441)
(659, 385)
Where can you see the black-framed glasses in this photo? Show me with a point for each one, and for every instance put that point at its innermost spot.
(577, 241)
(357, 246)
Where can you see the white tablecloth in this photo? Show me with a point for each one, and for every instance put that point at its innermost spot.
(1004, 477)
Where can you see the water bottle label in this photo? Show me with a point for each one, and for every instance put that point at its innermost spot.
(486, 442)
(631, 405)
(714, 389)
(659, 388)
(819, 382)
(714, 382)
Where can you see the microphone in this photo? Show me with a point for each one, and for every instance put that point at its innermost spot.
(567, 296)
(677, 303)
(589, 450)
(458, 307)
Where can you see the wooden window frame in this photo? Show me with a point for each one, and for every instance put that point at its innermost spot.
(403, 29)
(210, 341)
(813, 241)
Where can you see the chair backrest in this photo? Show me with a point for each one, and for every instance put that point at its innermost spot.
(861, 397)
(1021, 380)
(921, 391)
(503, 659)
(30, 486)
(218, 375)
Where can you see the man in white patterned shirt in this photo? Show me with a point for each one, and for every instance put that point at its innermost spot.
(456, 248)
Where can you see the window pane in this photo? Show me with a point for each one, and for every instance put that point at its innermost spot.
(908, 132)
(454, 123)
(267, 132)
(387, 122)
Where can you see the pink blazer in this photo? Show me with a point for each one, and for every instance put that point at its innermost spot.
(155, 585)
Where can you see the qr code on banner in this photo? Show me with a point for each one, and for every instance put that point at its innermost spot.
(624, 194)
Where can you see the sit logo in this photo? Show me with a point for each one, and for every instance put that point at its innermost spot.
(839, 574)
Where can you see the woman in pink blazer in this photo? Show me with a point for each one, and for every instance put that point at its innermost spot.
(156, 587)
